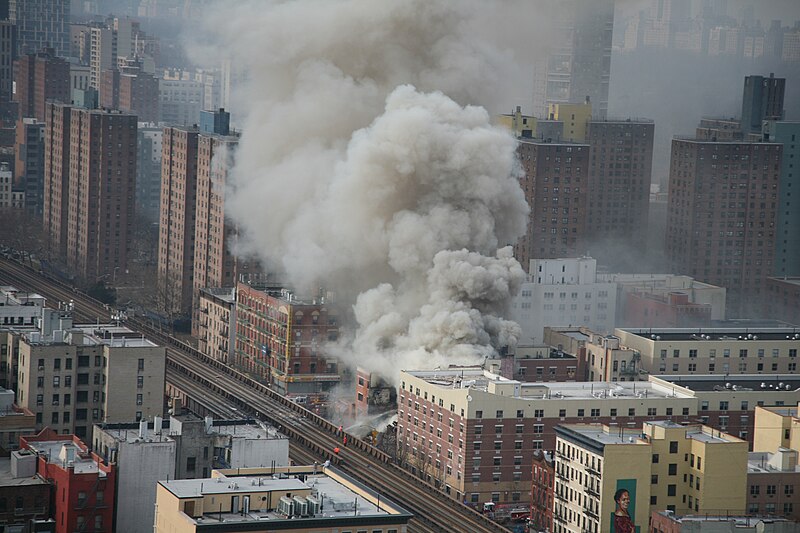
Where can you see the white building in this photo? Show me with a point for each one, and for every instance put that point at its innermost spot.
(180, 97)
(146, 453)
(564, 292)
(20, 308)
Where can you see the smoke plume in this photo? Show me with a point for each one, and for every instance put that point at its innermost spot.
(360, 169)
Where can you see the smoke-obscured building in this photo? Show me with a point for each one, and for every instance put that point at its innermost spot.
(564, 292)
(148, 172)
(787, 234)
(579, 65)
(665, 300)
(762, 100)
(723, 206)
(783, 300)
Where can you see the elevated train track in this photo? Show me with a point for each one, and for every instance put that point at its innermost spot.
(226, 392)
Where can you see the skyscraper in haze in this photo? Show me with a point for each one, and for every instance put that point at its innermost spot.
(579, 65)
(762, 100)
(40, 24)
(40, 77)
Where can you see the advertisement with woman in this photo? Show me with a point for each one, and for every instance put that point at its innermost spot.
(624, 507)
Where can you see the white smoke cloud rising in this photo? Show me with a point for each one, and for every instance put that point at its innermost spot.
(357, 171)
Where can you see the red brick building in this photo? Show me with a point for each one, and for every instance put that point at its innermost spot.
(783, 299)
(555, 183)
(672, 310)
(83, 495)
(38, 79)
(98, 148)
(722, 214)
(280, 339)
(542, 490)
(619, 180)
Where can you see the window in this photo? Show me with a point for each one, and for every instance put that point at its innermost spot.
(499, 413)
(788, 490)
(538, 413)
(56, 381)
(141, 365)
(673, 469)
(138, 399)
(655, 458)
(83, 379)
(83, 361)
(478, 414)
(139, 382)
(671, 490)
(673, 446)
(654, 479)
(771, 490)
(755, 490)
(723, 406)
(580, 412)
(631, 411)
(191, 464)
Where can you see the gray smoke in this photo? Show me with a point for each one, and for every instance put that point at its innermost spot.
(357, 171)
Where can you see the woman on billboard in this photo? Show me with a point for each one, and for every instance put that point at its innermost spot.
(622, 519)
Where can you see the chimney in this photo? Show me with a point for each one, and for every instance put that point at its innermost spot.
(157, 424)
(143, 429)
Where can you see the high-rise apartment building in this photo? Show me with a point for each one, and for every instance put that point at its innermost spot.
(619, 183)
(90, 172)
(8, 52)
(723, 206)
(130, 89)
(195, 245)
(597, 466)
(40, 77)
(29, 168)
(41, 23)
(555, 183)
(762, 100)
(103, 53)
(281, 339)
(55, 194)
(76, 377)
(148, 173)
(176, 240)
(787, 234)
(580, 64)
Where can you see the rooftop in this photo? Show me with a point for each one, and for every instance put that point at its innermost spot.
(475, 378)
(227, 294)
(325, 485)
(735, 382)
(788, 281)
(741, 521)
(66, 453)
(717, 334)
(696, 432)
(601, 434)
(7, 481)
(770, 463)
(556, 142)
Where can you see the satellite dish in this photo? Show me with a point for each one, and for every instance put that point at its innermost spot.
(469, 398)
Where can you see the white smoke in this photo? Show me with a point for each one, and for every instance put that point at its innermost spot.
(358, 172)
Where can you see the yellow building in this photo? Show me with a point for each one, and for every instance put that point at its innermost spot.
(575, 118)
(309, 499)
(776, 427)
(521, 125)
(681, 468)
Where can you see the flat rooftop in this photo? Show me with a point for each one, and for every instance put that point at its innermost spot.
(601, 434)
(478, 379)
(748, 335)
(736, 382)
(57, 450)
(339, 500)
(787, 281)
(7, 481)
(225, 294)
(695, 432)
(740, 521)
(764, 463)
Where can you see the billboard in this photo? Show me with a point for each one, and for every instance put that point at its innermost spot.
(624, 507)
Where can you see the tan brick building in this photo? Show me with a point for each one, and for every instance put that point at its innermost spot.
(216, 324)
(73, 378)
